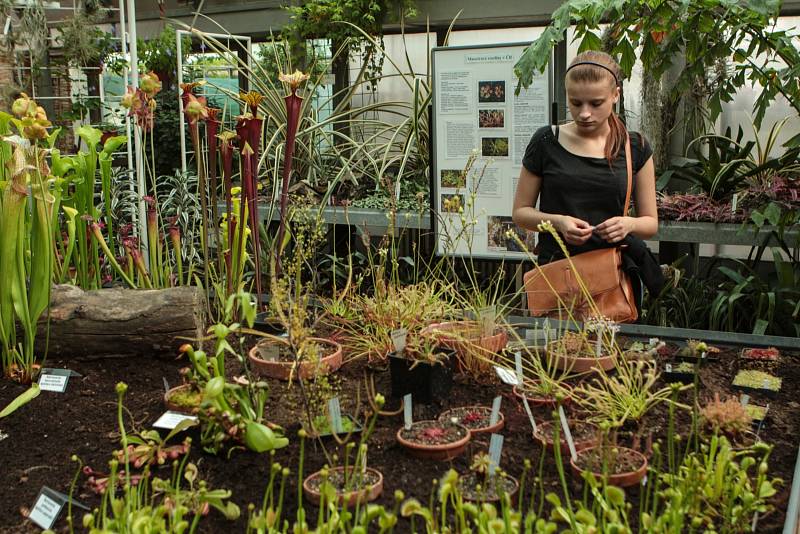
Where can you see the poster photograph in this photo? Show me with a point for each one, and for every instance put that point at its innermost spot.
(453, 178)
(491, 118)
(498, 240)
(492, 91)
(453, 202)
(494, 147)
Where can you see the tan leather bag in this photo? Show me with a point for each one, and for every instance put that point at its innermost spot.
(601, 272)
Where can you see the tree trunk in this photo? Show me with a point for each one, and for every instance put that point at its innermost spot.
(121, 322)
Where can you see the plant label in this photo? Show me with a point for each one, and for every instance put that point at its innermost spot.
(506, 375)
(46, 508)
(495, 410)
(528, 411)
(166, 384)
(644, 481)
(546, 326)
(487, 317)
(734, 203)
(744, 399)
(54, 380)
(668, 367)
(399, 339)
(567, 433)
(269, 351)
(3, 435)
(653, 341)
(170, 420)
(518, 364)
(335, 412)
(407, 418)
(495, 448)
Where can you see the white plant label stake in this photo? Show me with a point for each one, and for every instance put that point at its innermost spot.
(166, 384)
(744, 399)
(399, 340)
(546, 331)
(45, 510)
(567, 433)
(495, 410)
(528, 411)
(169, 420)
(518, 364)
(495, 448)
(335, 411)
(408, 420)
(54, 380)
(734, 202)
(487, 317)
(506, 375)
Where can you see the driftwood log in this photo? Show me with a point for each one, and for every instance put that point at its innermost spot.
(121, 322)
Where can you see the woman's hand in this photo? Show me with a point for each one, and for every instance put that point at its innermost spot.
(574, 231)
(615, 229)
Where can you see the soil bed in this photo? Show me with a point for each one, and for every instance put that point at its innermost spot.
(43, 434)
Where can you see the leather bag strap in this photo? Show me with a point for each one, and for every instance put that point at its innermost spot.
(629, 168)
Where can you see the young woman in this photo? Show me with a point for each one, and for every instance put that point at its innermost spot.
(578, 172)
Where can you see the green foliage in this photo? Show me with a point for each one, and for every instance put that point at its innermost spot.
(705, 32)
(82, 41)
(161, 54)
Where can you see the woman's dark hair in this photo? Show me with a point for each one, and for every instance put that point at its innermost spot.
(595, 66)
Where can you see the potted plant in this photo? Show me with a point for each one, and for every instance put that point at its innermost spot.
(729, 418)
(185, 398)
(769, 354)
(298, 353)
(547, 386)
(697, 352)
(757, 413)
(584, 434)
(578, 353)
(619, 466)
(481, 486)
(350, 484)
(476, 418)
(434, 440)
(753, 381)
(685, 372)
(421, 368)
(476, 345)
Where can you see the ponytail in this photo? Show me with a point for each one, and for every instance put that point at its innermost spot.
(616, 138)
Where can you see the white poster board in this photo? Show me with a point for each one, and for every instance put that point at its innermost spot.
(479, 124)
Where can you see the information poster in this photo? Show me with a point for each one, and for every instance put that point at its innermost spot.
(480, 132)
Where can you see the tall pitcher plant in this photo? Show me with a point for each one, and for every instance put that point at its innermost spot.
(26, 233)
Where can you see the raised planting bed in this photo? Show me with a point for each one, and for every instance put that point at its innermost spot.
(44, 434)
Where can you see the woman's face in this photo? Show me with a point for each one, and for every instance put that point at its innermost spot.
(591, 103)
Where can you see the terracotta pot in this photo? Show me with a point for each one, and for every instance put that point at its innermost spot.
(496, 499)
(544, 401)
(501, 421)
(350, 498)
(282, 370)
(461, 337)
(445, 451)
(623, 480)
(544, 435)
(176, 407)
(585, 365)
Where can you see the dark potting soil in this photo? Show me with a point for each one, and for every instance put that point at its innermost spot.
(472, 417)
(580, 431)
(490, 490)
(617, 460)
(43, 434)
(353, 482)
(434, 432)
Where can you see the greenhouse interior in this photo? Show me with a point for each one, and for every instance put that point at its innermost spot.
(400, 266)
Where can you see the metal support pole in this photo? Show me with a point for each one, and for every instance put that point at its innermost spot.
(138, 149)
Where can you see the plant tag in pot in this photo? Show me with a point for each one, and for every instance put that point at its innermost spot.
(528, 411)
(269, 351)
(744, 399)
(487, 317)
(518, 364)
(54, 380)
(495, 448)
(335, 412)
(399, 340)
(407, 418)
(506, 375)
(495, 410)
(668, 367)
(166, 384)
(46, 508)
(734, 203)
(169, 420)
(567, 433)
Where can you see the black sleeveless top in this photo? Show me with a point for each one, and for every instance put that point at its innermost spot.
(580, 186)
